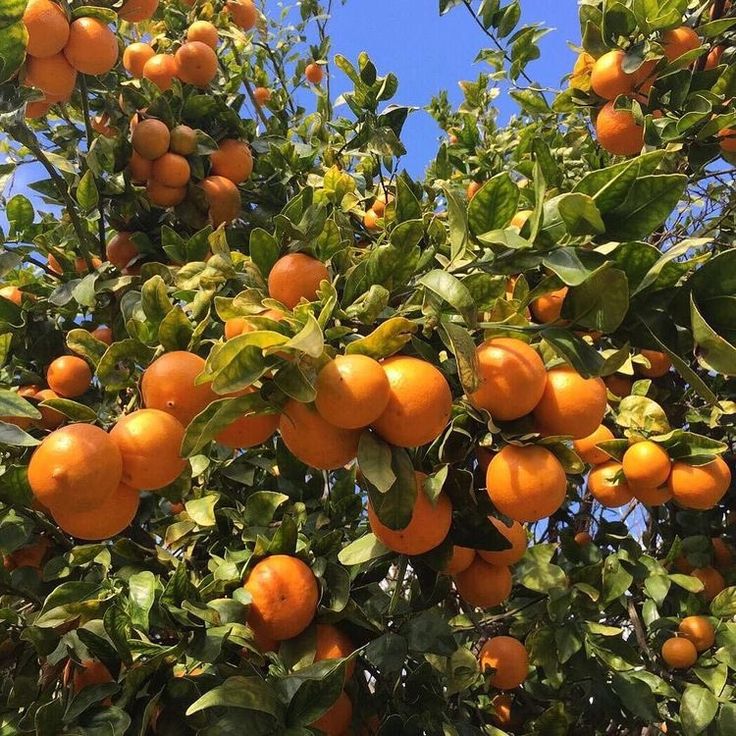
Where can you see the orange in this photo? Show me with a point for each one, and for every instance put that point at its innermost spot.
(548, 307)
(92, 47)
(427, 528)
(121, 250)
(244, 13)
(678, 41)
(333, 644)
(47, 26)
(618, 385)
(502, 715)
(713, 582)
(314, 73)
(336, 721)
(699, 486)
(79, 264)
(511, 378)
(608, 79)
(50, 418)
(727, 140)
(105, 521)
(570, 405)
(602, 487)
(483, 585)
(581, 72)
(586, 448)
(461, 559)
(203, 31)
(419, 405)
(30, 555)
(352, 391)
(101, 124)
(77, 466)
(171, 170)
(233, 160)
(526, 483)
(659, 363)
(370, 220)
(516, 534)
(679, 653)
(151, 139)
(69, 376)
(89, 672)
(722, 553)
(134, 11)
(168, 384)
(139, 168)
(618, 132)
(284, 596)
(249, 430)
(53, 75)
(162, 196)
(161, 69)
(294, 277)
(646, 465)
(582, 538)
(699, 631)
(183, 140)
(149, 441)
(238, 325)
(37, 109)
(472, 189)
(518, 221)
(102, 333)
(509, 660)
(196, 63)
(223, 198)
(653, 496)
(262, 96)
(314, 441)
(12, 294)
(714, 57)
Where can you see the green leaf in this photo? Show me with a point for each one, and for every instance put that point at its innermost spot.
(388, 338)
(493, 205)
(13, 405)
(83, 343)
(724, 604)
(697, 709)
(407, 205)
(309, 340)
(452, 290)
(457, 223)
(643, 414)
(264, 250)
(261, 507)
(15, 436)
(202, 510)
(155, 301)
(394, 507)
(141, 595)
(116, 370)
(573, 214)
(717, 353)
(175, 330)
(586, 360)
(249, 693)
(601, 302)
(363, 549)
(87, 194)
(573, 266)
(374, 461)
(71, 409)
(240, 361)
(13, 40)
(93, 11)
(535, 571)
(19, 211)
(460, 342)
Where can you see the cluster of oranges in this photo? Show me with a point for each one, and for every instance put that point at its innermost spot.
(695, 635)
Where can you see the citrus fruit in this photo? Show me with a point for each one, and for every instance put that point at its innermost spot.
(678, 41)
(223, 199)
(161, 69)
(244, 13)
(121, 250)
(605, 489)
(722, 553)
(12, 294)
(646, 465)
(548, 307)
(262, 96)
(699, 486)
(713, 582)
(162, 196)
(135, 11)
(337, 719)
(679, 653)
(139, 168)
(653, 496)
(582, 538)
(29, 555)
(171, 170)
(659, 364)
(608, 78)
(92, 47)
(618, 385)
(334, 644)
(69, 376)
(586, 449)
(516, 534)
(135, 57)
(233, 160)
(483, 585)
(472, 189)
(618, 132)
(53, 75)
(699, 630)
(151, 139)
(294, 277)
(183, 140)
(196, 63)
(203, 31)
(508, 659)
(314, 73)
(50, 418)
(47, 26)
(461, 559)
(249, 430)
(89, 672)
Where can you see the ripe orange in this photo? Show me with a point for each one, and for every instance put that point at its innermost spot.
(701, 486)
(428, 527)
(352, 391)
(582, 538)
(713, 582)
(223, 198)
(77, 466)
(516, 534)
(502, 715)
(461, 559)
(139, 168)
(37, 109)
(678, 41)
(53, 75)
(92, 47)
(233, 160)
(314, 73)
(284, 596)
(646, 465)
(151, 139)
(570, 405)
(135, 57)
(80, 265)
(171, 170)
(609, 80)
(203, 31)
(483, 585)
(238, 325)
(262, 96)
(618, 132)
(196, 63)
(472, 189)
(660, 364)
(69, 376)
(334, 644)
(183, 140)
(91, 672)
(250, 430)
(105, 521)
(722, 553)
(586, 448)
(121, 250)
(699, 630)
(727, 139)
(313, 440)
(244, 13)
(679, 653)
(370, 220)
(102, 333)
(509, 660)
(511, 378)
(161, 69)
(419, 405)
(162, 196)
(47, 26)
(714, 57)
(50, 418)
(168, 384)
(135, 11)
(12, 294)
(336, 721)
(548, 307)
(602, 487)
(149, 441)
(618, 385)
(653, 496)
(294, 277)
(526, 483)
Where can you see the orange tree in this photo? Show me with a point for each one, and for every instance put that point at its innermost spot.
(292, 443)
